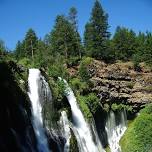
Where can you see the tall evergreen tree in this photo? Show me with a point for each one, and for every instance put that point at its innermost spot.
(147, 55)
(96, 32)
(63, 38)
(124, 43)
(19, 50)
(73, 18)
(2, 48)
(30, 43)
(74, 21)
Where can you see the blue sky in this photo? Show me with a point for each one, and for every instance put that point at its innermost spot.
(17, 16)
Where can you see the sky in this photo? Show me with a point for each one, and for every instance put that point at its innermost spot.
(17, 16)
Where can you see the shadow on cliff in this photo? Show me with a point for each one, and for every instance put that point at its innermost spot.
(16, 131)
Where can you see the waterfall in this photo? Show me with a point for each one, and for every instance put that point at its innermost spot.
(115, 130)
(36, 82)
(65, 130)
(81, 129)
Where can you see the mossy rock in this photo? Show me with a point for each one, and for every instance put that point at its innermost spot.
(73, 143)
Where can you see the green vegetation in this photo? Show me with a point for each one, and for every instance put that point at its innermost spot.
(138, 136)
(78, 86)
(119, 107)
(108, 149)
(73, 143)
(83, 69)
(96, 33)
(86, 111)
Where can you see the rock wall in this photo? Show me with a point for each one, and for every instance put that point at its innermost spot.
(120, 83)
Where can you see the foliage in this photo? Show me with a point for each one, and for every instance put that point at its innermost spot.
(96, 34)
(93, 102)
(124, 43)
(25, 62)
(106, 107)
(119, 107)
(86, 111)
(28, 47)
(78, 86)
(73, 143)
(2, 48)
(84, 68)
(138, 136)
(64, 38)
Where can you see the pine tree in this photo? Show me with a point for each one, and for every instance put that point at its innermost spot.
(30, 43)
(2, 48)
(63, 38)
(19, 51)
(96, 32)
(124, 43)
(147, 55)
(73, 18)
(74, 21)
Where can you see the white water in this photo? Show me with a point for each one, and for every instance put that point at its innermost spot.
(35, 84)
(81, 129)
(65, 130)
(115, 132)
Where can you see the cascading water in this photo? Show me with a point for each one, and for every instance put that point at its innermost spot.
(35, 93)
(81, 129)
(115, 131)
(65, 130)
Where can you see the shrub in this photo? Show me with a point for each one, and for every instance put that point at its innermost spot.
(92, 102)
(78, 86)
(26, 62)
(58, 70)
(84, 107)
(116, 107)
(138, 137)
(83, 69)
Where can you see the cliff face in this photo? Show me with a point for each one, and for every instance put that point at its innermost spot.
(16, 130)
(120, 83)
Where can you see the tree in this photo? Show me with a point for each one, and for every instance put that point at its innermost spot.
(124, 43)
(147, 55)
(19, 51)
(73, 18)
(2, 48)
(74, 21)
(140, 49)
(96, 32)
(63, 38)
(30, 43)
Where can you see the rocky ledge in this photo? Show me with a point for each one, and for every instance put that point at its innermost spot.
(121, 83)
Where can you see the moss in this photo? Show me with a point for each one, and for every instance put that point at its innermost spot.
(147, 89)
(108, 149)
(138, 136)
(130, 84)
(73, 143)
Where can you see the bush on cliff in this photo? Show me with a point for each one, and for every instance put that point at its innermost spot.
(138, 137)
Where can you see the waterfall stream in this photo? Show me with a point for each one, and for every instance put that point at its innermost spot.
(81, 129)
(86, 135)
(115, 131)
(35, 82)
(65, 130)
